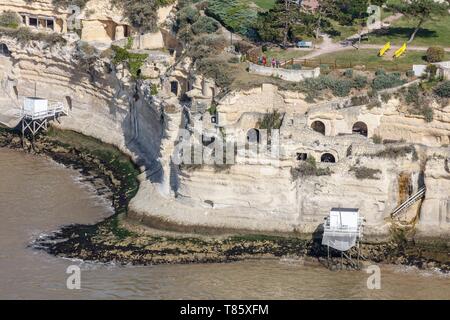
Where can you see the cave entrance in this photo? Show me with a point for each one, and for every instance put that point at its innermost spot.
(4, 51)
(253, 136)
(360, 128)
(328, 158)
(318, 126)
(174, 87)
(69, 102)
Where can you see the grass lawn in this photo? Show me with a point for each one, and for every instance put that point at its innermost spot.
(343, 32)
(265, 4)
(432, 33)
(370, 59)
(286, 54)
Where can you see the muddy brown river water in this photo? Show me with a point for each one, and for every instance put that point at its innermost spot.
(37, 196)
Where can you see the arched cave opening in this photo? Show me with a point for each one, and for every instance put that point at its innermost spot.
(318, 126)
(360, 128)
(328, 158)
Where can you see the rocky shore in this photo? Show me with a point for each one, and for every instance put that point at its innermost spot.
(113, 240)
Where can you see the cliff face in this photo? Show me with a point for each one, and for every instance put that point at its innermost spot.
(259, 194)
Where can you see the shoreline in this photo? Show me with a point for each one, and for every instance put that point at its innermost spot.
(118, 239)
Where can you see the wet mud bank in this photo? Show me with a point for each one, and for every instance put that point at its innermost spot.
(113, 240)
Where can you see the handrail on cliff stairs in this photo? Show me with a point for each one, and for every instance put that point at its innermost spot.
(408, 203)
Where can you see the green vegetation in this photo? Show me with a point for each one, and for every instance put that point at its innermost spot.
(362, 173)
(420, 12)
(108, 154)
(443, 89)
(309, 168)
(25, 35)
(369, 58)
(435, 54)
(397, 152)
(289, 54)
(236, 15)
(9, 19)
(143, 15)
(134, 61)
(431, 33)
(265, 4)
(205, 24)
(271, 121)
(384, 80)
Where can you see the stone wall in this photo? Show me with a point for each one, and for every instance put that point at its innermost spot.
(285, 74)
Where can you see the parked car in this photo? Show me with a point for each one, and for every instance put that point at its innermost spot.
(304, 44)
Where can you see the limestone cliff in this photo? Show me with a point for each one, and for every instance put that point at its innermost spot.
(260, 194)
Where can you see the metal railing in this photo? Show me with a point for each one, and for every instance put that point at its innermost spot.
(54, 109)
(408, 203)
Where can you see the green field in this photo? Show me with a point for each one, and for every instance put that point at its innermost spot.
(370, 59)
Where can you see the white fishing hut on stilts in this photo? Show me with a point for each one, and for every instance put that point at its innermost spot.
(37, 112)
(343, 230)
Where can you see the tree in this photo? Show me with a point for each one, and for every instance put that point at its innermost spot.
(276, 24)
(350, 12)
(421, 11)
(316, 19)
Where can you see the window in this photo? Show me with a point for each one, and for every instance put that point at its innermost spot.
(50, 24)
(302, 156)
(33, 22)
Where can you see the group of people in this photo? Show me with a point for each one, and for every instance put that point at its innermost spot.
(263, 60)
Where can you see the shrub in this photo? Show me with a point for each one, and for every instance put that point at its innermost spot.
(412, 95)
(435, 54)
(385, 97)
(377, 139)
(272, 120)
(216, 69)
(325, 69)
(205, 25)
(431, 71)
(348, 73)
(360, 82)
(187, 15)
(410, 73)
(397, 152)
(341, 87)
(236, 15)
(362, 173)
(9, 19)
(25, 35)
(428, 113)
(360, 100)
(386, 81)
(135, 61)
(443, 89)
(309, 168)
